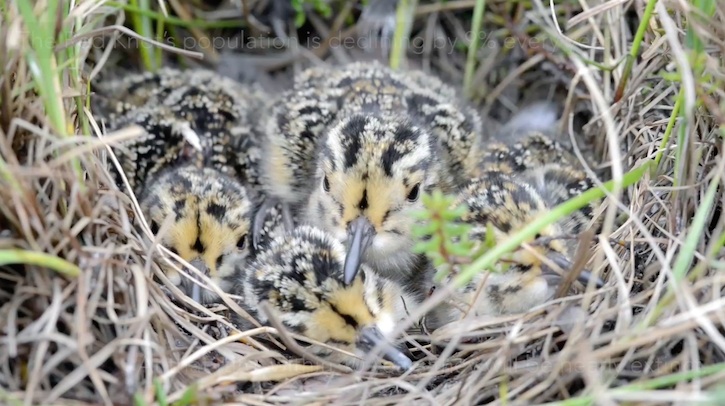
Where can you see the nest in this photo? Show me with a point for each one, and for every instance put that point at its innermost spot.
(83, 322)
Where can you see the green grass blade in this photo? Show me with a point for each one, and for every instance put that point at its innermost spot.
(404, 16)
(651, 384)
(670, 125)
(473, 46)
(692, 40)
(18, 256)
(142, 26)
(634, 51)
(191, 395)
(697, 231)
(175, 21)
(160, 393)
(138, 400)
(42, 62)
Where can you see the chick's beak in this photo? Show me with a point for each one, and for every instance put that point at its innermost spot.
(360, 233)
(563, 262)
(195, 287)
(371, 338)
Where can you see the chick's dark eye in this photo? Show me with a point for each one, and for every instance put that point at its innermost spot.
(154, 227)
(414, 193)
(326, 184)
(242, 242)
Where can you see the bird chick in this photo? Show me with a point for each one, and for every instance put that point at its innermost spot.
(550, 169)
(528, 277)
(353, 149)
(367, 192)
(300, 275)
(210, 218)
(188, 116)
(529, 148)
(525, 172)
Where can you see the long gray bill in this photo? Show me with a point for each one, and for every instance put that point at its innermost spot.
(563, 262)
(196, 287)
(196, 293)
(360, 234)
(371, 338)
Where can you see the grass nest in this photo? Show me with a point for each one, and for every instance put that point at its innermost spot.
(641, 89)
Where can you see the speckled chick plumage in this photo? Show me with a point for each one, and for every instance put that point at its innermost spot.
(517, 182)
(365, 140)
(325, 99)
(188, 116)
(270, 222)
(195, 164)
(529, 149)
(508, 204)
(529, 152)
(546, 166)
(300, 275)
(209, 217)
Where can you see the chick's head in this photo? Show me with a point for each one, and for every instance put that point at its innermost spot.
(208, 216)
(301, 277)
(371, 172)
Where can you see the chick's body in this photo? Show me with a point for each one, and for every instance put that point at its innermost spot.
(300, 275)
(358, 144)
(188, 116)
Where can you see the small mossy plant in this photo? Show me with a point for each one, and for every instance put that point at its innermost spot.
(442, 235)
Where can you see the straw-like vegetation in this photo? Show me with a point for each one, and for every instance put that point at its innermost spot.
(642, 84)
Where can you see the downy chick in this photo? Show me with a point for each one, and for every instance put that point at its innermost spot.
(530, 149)
(195, 162)
(354, 148)
(528, 277)
(300, 275)
(524, 173)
